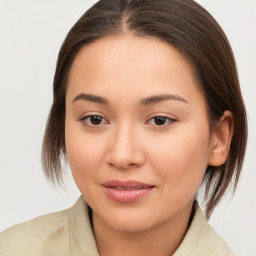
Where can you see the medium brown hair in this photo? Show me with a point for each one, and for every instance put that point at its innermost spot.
(188, 27)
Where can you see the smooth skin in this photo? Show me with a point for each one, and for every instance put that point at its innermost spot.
(134, 111)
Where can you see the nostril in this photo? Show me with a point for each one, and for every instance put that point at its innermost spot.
(123, 166)
(132, 165)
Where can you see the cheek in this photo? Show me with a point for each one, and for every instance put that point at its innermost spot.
(84, 158)
(83, 154)
(182, 157)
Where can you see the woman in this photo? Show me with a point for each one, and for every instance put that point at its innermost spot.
(147, 110)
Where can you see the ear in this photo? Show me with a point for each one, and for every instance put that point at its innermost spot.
(221, 139)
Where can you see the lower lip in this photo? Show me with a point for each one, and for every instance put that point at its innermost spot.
(127, 196)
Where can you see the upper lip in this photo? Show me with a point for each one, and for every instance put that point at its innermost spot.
(127, 184)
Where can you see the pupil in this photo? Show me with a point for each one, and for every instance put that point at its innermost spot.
(96, 120)
(160, 120)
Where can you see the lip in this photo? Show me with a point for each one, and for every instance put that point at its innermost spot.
(126, 191)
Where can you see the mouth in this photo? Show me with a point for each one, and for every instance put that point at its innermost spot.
(126, 191)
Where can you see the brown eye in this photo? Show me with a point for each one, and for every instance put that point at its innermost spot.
(161, 121)
(94, 120)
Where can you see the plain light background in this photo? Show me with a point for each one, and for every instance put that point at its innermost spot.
(31, 33)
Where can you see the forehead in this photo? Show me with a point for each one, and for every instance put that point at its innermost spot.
(138, 64)
(145, 52)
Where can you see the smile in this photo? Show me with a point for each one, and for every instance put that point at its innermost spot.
(126, 191)
(131, 188)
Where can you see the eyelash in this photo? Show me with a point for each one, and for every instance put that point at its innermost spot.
(87, 120)
(167, 120)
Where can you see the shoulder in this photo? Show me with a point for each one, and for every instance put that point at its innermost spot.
(201, 239)
(215, 244)
(27, 238)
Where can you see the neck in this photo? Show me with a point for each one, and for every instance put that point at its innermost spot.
(162, 240)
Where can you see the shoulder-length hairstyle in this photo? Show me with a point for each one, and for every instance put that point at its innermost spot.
(188, 27)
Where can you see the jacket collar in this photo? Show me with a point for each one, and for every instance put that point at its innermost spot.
(198, 238)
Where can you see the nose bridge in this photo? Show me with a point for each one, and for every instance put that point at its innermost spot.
(125, 150)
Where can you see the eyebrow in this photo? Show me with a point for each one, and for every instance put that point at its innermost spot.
(144, 102)
(91, 97)
(163, 97)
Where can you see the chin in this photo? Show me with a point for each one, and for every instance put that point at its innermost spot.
(130, 225)
(126, 219)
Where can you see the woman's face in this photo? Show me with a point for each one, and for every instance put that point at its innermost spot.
(137, 133)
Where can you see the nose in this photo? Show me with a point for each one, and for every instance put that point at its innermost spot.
(126, 150)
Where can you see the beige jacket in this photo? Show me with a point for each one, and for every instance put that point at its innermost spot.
(69, 233)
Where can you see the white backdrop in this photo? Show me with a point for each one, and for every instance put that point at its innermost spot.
(31, 33)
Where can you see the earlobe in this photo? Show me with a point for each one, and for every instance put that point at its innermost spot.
(221, 139)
